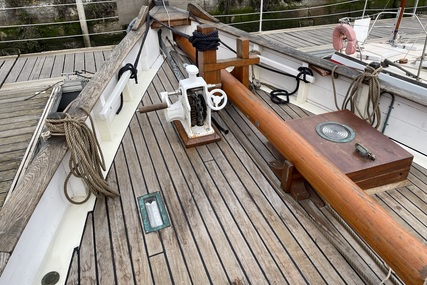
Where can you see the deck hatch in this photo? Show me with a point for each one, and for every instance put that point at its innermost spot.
(335, 132)
(153, 212)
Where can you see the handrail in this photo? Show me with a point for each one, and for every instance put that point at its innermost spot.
(81, 19)
(407, 14)
(53, 5)
(64, 37)
(308, 9)
(217, 16)
(57, 23)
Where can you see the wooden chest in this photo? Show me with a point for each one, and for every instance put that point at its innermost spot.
(391, 164)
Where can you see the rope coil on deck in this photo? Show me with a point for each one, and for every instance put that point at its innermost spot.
(86, 158)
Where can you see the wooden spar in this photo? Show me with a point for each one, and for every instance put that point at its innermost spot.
(399, 19)
(401, 251)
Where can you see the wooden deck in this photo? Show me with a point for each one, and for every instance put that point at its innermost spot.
(26, 83)
(317, 40)
(230, 223)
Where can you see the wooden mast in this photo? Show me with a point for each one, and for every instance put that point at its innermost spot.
(401, 251)
(399, 19)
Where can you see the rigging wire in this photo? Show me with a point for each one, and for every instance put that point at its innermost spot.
(133, 68)
(57, 23)
(63, 37)
(211, 41)
(422, 31)
(54, 5)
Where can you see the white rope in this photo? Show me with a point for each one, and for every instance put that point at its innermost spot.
(387, 277)
(167, 12)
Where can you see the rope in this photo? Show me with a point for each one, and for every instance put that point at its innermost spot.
(274, 95)
(387, 277)
(373, 112)
(134, 75)
(203, 42)
(167, 12)
(133, 67)
(367, 249)
(86, 159)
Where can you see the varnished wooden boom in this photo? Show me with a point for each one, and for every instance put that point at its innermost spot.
(400, 250)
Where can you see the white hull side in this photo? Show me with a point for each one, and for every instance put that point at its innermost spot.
(56, 226)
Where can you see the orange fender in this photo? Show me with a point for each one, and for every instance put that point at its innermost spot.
(341, 32)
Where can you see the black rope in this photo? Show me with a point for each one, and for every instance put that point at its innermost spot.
(201, 42)
(218, 126)
(274, 96)
(302, 75)
(204, 42)
(133, 67)
(134, 75)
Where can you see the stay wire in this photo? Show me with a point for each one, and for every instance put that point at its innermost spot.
(133, 68)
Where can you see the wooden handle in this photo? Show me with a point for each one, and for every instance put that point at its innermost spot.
(154, 107)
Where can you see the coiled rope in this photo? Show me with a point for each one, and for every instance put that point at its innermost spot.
(86, 158)
(275, 93)
(203, 42)
(372, 113)
(302, 75)
(200, 41)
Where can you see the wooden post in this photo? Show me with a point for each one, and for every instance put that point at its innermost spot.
(406, 255)
(207, 57)
(209, 66)
(242, 72)
(83, 23)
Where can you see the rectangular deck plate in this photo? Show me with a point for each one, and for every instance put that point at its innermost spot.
(142, 200)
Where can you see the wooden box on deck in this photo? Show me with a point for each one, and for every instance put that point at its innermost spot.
(392, 162)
